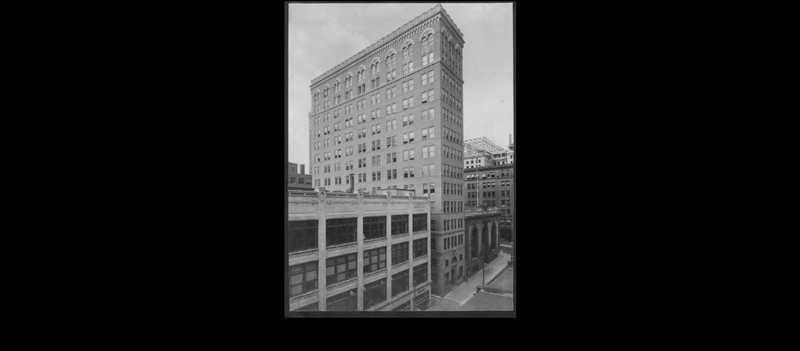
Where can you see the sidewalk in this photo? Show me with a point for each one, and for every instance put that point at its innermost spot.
(465, 291)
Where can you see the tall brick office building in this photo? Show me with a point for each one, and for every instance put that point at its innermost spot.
(391, 117)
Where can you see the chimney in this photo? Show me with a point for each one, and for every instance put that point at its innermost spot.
(302, 169)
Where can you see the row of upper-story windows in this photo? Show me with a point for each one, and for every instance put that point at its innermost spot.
(451, 83)
(451, 53)
(451, 100)
(451, 171)
(491, 174)
(426, 96)
(451, 135)
(452, 207)
(451, 117)
(451, 153)
(427, 133)
(452, 188)
(390, 61)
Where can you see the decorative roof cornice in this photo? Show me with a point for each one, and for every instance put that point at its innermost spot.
(386, 40)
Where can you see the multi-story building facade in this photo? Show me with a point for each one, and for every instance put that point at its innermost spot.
(358, 252)
(298, 180)
(493, 186)
(391, 117)
(482, 152)
(482, 238)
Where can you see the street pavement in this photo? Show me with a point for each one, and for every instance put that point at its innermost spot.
(460, 295)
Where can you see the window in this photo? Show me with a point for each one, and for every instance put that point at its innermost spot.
(374, 260)
(374, 293)
(399, 253)
(420, 274)
(302, 235)
(399, 224)
(374, 227)
(420, 247)
(340, 231)
(399, 283)
(310, 307)
(346, 301)
(420, 222)
(404, 307)
(341, 268)
(303, 278)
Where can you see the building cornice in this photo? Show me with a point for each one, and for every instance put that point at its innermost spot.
(385, 42)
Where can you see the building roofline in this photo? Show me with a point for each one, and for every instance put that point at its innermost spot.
(385, 40)
(487, 168)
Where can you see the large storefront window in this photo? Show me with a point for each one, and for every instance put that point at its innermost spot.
(374, 293)
(420, 274)
(346, 301)
(399, 283)
(340, 231)
(420, 222)
(404, 307)
(302, 235)
(374, 259)
(399, 224)
(374, 227)
(399, 253)
(421, 301)
(341, 268)
(303, 278)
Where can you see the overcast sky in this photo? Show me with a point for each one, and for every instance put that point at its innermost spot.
(323, 35)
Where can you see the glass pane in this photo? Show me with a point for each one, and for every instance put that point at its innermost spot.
(341, 268)
(352, 265)
(296, 290)
(311, 275)
(297, 279)
(331, 271)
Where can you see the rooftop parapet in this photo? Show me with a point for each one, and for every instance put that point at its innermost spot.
(417, 20)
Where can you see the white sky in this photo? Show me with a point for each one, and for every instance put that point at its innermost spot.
(323, 35)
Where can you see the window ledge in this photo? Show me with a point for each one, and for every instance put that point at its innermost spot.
(375, 273)
(342, 283)
(303, 295)
(373, 240)
(340, 246)
(399, 264)
(304, 252)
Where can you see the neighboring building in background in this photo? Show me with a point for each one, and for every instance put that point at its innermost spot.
(482, 239)
(358, 252)
(482, 152)
(493, 186)
(391, 117)
(299, 180)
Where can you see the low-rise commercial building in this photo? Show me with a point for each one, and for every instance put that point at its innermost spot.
(358, 252)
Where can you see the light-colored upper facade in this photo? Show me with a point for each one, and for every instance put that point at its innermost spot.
(391, 117)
